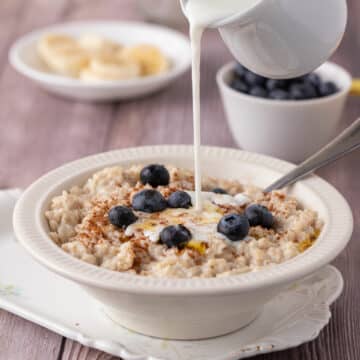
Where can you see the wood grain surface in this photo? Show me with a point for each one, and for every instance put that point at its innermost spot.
(39, 132)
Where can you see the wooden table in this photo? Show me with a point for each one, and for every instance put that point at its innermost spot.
(39, 132)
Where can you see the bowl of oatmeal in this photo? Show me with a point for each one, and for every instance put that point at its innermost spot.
(123, 225)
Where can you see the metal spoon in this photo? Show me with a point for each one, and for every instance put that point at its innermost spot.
(346, 142)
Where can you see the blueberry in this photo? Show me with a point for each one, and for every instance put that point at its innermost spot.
(299, 79)
(121, 216)
(179, 199)
(273, 84)
(155, 175)
(328, 88)
(175, 236)
(310, 91)
(297, 92)
(313, 79)
(149, 201)
(259, 215)
(254, 79)
(240, 86)
(279, 94)
(234, 226)
(240, 70)
(258, 91)
(302, 91)
(219, 191)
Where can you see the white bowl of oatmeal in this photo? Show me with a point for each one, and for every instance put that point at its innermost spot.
(212, 284)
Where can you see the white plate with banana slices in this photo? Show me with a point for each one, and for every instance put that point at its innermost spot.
(102, 61)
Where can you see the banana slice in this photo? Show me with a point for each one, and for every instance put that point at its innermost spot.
(56, 42)
(98, 45)
(110, 68)
(150, 58)
(70, 62)
(62, 54)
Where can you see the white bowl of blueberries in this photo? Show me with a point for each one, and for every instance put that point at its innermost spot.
(286, 118)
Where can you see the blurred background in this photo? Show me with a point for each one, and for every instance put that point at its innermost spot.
(40, 131)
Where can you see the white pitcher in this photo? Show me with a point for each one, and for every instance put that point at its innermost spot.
(284, 38)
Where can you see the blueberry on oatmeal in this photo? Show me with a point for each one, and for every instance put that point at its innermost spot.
(259, 215)
(121, 216)
(155, 175)
(234, 226)
(175, 236)
(149, 201)
(179, 199)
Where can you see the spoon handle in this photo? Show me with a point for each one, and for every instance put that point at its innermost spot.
(347, 141)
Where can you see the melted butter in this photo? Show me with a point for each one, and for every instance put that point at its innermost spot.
(308, 242)
(200, 247)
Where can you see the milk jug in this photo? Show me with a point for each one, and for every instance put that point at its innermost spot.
(274, 38)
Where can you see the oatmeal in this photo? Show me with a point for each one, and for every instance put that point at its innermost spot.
(143, 221)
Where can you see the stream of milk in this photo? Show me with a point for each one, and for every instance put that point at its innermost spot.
(202, 14)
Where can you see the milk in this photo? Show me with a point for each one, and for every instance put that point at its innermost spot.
(201, 14)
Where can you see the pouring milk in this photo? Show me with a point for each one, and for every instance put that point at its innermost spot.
(201, 14)
(278, 53)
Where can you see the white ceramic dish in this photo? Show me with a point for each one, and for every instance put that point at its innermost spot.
(183, 308)
(61, 306)
(290, 130)
(23, 56)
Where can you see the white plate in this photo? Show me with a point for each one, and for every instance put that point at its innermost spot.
(23, 56)
(292, 318)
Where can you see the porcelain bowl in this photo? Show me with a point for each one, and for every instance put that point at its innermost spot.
(24, 58)
(290, 130)
(183, 308)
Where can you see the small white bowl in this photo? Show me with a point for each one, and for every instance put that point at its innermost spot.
(183, 308)
(290, 130)
(24, 57)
